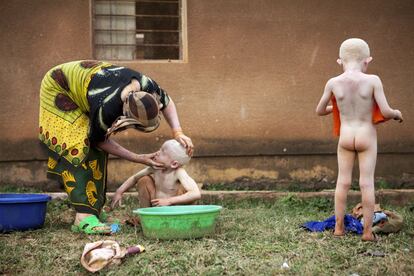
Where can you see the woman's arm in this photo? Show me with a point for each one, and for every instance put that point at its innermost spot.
(112, 147)
(171, 116)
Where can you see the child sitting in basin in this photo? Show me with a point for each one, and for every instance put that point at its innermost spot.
(357, 95)
(169, 186)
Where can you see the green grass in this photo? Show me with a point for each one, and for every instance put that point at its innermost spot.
(18, 189)
(252, 238)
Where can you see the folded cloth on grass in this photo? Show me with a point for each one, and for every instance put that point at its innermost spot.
(97, 255)
(392, 224)
(351, 225)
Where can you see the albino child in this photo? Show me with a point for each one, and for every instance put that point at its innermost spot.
(169, 186)
(356, 95)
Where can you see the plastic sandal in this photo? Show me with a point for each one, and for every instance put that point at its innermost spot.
(89, 226)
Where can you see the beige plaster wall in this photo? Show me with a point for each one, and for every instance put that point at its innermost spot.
(254, 75)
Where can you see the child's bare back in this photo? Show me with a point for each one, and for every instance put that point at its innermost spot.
(354, 95)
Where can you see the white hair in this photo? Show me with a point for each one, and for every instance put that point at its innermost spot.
(177, 152)
(354, 49)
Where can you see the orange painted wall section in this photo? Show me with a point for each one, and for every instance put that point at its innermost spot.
(255, 72)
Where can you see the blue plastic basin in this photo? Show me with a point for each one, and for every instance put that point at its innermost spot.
(22, 211)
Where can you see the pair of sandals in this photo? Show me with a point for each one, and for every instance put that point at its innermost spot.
(91, 226)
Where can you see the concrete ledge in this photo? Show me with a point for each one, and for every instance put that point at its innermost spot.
(393, 197)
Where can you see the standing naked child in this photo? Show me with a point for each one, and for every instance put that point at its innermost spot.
(169, 186)
(357, 95)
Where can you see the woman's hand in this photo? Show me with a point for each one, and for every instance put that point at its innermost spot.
(185, 141)
(170, 114)
(111, 146)
(148, 159)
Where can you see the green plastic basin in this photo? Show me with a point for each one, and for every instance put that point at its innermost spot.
(178, 222)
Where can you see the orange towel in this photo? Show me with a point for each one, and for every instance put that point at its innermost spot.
(377, 117)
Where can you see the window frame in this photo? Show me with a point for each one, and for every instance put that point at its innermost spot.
(183, 40)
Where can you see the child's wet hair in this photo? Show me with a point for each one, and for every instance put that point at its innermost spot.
(354, 49)
(177, 151)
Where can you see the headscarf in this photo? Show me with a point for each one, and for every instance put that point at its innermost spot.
(140, 111)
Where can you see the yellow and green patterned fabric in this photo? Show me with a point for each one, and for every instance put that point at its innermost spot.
(85, 184)
(63, 123)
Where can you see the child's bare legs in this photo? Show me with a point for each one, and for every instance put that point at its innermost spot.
(367, 162)
(346, 160)
(146, 191)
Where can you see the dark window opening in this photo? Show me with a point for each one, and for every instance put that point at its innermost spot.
(138, 29)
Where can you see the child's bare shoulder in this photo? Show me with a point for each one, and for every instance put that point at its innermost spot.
(374, 79)
(333, 79)
(149, 170)
(370, 79)
(330, 84)
(180, 171)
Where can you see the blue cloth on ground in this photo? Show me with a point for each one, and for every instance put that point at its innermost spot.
(351, 225)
